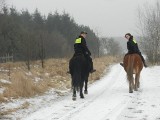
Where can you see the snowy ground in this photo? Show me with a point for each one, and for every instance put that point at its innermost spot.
(108, 99)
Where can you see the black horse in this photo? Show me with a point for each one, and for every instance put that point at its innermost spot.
(79, 73)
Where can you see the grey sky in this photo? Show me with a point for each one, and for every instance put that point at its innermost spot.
(107, 17)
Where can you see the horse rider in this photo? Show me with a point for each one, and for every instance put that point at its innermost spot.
(80, 47)
(132, 47)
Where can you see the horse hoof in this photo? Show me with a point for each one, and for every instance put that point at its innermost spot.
(85, 92)
(73, 98)
(82, 96)
(130, 91)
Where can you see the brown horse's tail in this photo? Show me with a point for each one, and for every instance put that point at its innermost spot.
(130, 68)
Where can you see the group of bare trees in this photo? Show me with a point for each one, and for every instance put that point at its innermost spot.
(149, 25)
(108, 46)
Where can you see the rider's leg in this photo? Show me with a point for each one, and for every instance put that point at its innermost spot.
(143, 60)
(90, 62)
(122, 63)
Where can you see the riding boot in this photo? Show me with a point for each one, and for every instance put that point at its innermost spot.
(144, 63)
(122, 64)
(69, 72)
(91, 65)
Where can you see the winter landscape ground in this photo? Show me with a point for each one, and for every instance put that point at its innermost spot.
(108, 99)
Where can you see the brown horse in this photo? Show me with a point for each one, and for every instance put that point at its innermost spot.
(133, 65)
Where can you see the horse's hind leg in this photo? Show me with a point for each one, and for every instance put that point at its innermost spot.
(137, 81)
(138, 84)
(86, 86)
(81, 90)
(74, 94)
(131, 85)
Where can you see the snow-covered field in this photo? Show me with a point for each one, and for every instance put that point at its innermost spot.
(108, 99)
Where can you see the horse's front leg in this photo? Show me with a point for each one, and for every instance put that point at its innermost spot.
(74, 94)
(81, 90)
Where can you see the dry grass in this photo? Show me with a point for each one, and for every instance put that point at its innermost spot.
(26, 83)
(2, 98)
(21, 86)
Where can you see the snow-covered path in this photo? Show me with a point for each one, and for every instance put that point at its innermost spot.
(109, 99)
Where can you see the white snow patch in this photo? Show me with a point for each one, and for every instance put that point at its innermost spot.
(46, 74)
(5, 81)
(37, 79)
(29, 73)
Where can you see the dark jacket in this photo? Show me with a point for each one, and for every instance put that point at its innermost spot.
(81, 47)
(132, 46)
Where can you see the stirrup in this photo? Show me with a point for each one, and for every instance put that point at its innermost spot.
(122, 64)
(145, 66)
(94, 70)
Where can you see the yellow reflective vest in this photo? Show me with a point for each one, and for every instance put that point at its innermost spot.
(78, 40)
(134, 41)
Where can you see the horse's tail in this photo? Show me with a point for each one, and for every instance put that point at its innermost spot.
(130, 68)
(76, 75)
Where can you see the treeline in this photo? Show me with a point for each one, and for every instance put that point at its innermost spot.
(149, 25)
(34, 36)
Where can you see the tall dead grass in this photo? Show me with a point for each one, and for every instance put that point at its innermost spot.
(1, 98)
(24, 84)
(21, 86)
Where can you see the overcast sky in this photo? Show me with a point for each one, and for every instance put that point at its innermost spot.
(106, 17)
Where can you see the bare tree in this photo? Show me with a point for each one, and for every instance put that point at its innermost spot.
(149, 25)
(2, 4)
(42, 48)
(98, 41)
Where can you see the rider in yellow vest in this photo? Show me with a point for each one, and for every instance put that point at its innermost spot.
(132, 47)
(80, 47)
